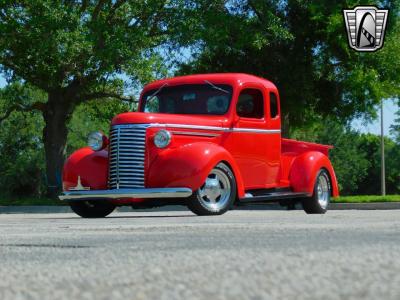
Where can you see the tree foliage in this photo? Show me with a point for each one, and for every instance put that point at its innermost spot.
(395, 128)
(59, 44)
(77, 51)
(370, 145)
(21, 147)
(22, 159)
(302, 47)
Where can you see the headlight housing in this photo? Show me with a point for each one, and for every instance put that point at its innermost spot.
(97, 140)
(162, 138)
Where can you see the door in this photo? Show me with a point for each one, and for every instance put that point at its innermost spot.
(251, 139)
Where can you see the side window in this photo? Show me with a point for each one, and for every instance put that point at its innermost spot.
(250, 104)
(273, 104)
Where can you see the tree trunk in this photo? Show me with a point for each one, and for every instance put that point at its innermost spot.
(56, 115)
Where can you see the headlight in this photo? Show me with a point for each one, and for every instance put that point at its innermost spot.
(96, 141)
(162, 138)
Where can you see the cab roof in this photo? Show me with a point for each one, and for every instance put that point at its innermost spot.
(234, 79)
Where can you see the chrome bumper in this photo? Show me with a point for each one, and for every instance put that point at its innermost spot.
(126, 193)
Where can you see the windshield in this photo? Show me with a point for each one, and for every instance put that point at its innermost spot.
(193, 99)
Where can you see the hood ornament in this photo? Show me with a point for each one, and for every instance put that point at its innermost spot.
(79, 186)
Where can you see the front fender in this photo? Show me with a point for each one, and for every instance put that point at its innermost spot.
(304, 170)
(91, 166)
(189, 166)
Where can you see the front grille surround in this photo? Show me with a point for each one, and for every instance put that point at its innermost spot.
(127, 154)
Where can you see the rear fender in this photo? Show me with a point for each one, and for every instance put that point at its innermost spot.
(189, 166)
(304, 171)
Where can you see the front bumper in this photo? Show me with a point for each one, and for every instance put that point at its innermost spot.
(126, 193)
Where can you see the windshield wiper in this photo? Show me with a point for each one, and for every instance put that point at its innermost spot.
(216, 87)
(156, 92)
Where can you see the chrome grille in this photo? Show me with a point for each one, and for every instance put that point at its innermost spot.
(127, 155)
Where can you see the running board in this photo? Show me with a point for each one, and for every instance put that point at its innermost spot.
(272, 197)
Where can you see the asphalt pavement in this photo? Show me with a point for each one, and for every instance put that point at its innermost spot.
(244, 254)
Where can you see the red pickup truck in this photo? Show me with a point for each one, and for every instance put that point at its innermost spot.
(206, 141)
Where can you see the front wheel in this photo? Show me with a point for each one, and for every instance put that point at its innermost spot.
(92, 209)
(318, 203)
(216, 195)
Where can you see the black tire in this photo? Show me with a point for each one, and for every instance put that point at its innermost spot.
(202, 205)
(92, 209)
(319, 201)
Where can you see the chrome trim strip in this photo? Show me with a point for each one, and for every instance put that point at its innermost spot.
(267, 131)
(143, 125)
(215, 128)
(126, 193)
(195, 133)
(189, 126)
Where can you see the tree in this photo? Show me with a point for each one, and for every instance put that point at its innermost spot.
(370, 145)
(22, 159)
(301, 46)
(77, 51)
(21, 147)
(395, 128)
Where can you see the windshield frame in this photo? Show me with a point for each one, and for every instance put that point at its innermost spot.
(159, 89)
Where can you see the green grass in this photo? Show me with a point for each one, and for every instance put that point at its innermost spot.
(6, 201)
(366, 199)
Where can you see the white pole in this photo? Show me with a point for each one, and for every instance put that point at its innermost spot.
(383, 182)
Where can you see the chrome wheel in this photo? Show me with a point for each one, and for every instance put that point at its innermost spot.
(323, 191)
(216, 191)
(319, 201)
(217, 194)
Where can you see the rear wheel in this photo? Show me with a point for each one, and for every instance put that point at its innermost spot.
(216, 195)
(318, 203)
(92, 209)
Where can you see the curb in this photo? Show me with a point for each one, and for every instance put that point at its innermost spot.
(43, 209)
(332, 206)
(272, 206)
(40, 209)
(365, 206)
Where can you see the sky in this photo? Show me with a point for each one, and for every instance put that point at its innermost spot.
(389, 110)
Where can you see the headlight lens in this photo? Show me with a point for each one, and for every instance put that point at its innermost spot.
(96, 141)
(162, 138)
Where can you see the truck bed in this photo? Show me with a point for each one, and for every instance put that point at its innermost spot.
(297, 147)
(292, 149)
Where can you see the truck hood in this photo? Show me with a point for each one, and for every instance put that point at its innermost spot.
(147, 118)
